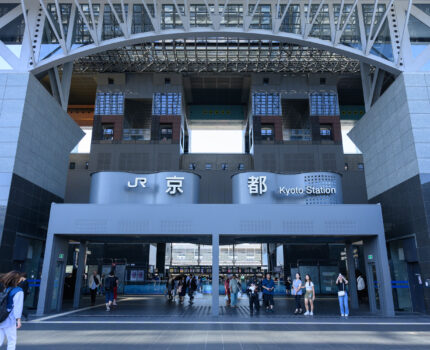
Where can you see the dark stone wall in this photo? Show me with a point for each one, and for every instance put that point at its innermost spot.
(27, 213)
(406, 211)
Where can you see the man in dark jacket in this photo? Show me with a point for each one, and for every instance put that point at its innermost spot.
(192, 287)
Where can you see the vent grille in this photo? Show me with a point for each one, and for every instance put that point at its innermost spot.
(255, 226)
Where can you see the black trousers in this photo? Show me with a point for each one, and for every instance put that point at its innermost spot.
(298, 303)
(254, 302)
(268, 300)
(93, 295)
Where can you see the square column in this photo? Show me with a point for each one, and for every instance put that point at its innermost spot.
(378, 276)
(215, 274)
(82, 260)
(53, 274)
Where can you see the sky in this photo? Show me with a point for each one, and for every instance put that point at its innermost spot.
(217, 141)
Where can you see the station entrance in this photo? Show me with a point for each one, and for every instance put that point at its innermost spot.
(351, 242)
(145, 289)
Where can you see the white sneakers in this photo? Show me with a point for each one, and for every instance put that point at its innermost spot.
(311, 313)
(307, 313)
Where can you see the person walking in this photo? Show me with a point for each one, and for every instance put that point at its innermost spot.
(252, 292)
(342, 294)
(268, 286)
(108, 285)
(24, 285)
(175, 288)
(115, 290)
(94, 284)
(297, 292)
(361, 287)
(182, 289)
(309, 295)
(288, 284)
(170, 285)
(192, 287)
(227, 291)
(11, 305)
(234, 290)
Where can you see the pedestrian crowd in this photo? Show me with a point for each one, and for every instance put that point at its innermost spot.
(180, 286)
(264, 290)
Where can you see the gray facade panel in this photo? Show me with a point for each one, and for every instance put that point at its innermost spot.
(159, 188)
(229, 219)
(298, 157)
(269, 188)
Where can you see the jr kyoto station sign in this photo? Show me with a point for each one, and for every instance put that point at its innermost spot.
(271, 188)
(157, 188)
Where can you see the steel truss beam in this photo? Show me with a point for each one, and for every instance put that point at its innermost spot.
(362, 30)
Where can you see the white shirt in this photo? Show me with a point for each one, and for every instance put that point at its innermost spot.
(18, 303)
(309, 286)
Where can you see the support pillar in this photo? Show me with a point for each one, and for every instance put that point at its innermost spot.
(215, 274)
(377, 261)
(82, 261)
(351, 275)
(53, 273)
(161, 258)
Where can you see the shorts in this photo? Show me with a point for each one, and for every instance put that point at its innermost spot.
(109, 296)
(309, 294)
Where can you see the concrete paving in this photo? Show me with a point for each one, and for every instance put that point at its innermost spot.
(153, 323)
(158, 307)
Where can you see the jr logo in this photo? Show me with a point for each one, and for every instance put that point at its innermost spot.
(137, 181)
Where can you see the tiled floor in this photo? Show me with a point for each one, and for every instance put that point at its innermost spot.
(154, 323)
(156, 307)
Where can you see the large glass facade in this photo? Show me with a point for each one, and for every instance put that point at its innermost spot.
(166, 103)
(382, 46)
(266, 104)
(324, 104)
(111, 27)
(108, 103)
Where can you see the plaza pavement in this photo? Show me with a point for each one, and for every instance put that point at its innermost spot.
(153, 323)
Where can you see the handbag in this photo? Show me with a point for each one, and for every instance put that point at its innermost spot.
(341, 293)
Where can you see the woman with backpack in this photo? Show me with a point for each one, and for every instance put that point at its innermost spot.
(11, 304)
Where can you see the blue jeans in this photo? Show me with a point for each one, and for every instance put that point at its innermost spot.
(343, 303)
(234, 298)
(109, 296)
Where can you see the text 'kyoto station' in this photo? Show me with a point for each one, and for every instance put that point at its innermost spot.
(214, 142)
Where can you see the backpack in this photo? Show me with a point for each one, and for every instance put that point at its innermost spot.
(360, 283)
(6, 302)
(108, 283)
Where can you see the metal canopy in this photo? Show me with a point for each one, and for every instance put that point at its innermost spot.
(217, 55)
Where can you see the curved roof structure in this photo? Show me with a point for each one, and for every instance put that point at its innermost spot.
(204, 35)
